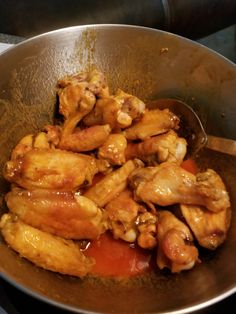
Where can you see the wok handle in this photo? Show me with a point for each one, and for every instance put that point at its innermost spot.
(222, 145)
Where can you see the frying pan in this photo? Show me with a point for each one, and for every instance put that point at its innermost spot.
(150, 64)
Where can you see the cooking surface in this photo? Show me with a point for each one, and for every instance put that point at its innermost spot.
(14, 301)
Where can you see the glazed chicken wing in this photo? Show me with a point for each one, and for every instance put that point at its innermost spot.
(113, 150)
(86, 139)
(118, 111)
(30, 141)
(122, 212)
(209, 228)
(130, 221)
(63, 213)
(168, 184)
(157, 149)
(79, 91)
(112, 184)
(94, 81)
(175, 248)
(77, 97)
(43, 249)
(51, 169)
(153, 122)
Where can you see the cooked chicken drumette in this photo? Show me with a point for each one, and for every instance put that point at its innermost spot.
(122, 212)
(158, 149)
(209, 228)
(130, 221)
(43, 249)
(153, 122)
(77, 97)
(169, 184)
(113, 150)
(118, 111)
(77, 90)
(175, 244)
(63, 213)
(86, 139)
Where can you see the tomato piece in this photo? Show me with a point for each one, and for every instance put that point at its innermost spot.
(190, 165)
(117, 258)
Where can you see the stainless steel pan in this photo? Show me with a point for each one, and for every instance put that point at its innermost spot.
(150, 64)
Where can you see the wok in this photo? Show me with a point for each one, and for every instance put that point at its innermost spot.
(150, 64)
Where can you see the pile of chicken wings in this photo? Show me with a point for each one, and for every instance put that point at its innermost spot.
(110, 164)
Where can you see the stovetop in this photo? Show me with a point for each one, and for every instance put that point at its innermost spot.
(13, 301)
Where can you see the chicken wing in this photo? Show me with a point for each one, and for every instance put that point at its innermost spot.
(24, 145)
(175, 248)
(122, 212)
(80, 91)
(130, 221)
(94, 80)
(51, 169)
(169, 184)
(209, 228)
(43, 249)
(65, 214)
(112, 184)
(158, 149)
(113, 149)
(86, 139)
(30, 141)
(147, 227)
(118, 111)
(153, 122)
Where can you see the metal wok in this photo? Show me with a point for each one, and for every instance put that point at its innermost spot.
(150, 64)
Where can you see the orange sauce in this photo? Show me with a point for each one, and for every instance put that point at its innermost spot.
(190, 165)
(117, 258)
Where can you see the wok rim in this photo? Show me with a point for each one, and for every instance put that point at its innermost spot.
(60, 305)
(102, 25)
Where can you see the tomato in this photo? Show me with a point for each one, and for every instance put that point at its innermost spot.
(190, 165)
(117, 258)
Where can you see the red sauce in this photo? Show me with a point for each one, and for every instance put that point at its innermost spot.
(118, 258)
(190, 165)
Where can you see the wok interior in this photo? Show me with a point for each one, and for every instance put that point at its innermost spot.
(149, 64)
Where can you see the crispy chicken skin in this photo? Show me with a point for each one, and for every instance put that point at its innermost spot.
(118, 111)
(175, 248)
(169, 184)
(153, 122)
(51, 169)
(86, 139)
(158, 149)
(130, 221)
(209, 228)
(112, 184)
(113, 150)
(43, 249)
(63, 213)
